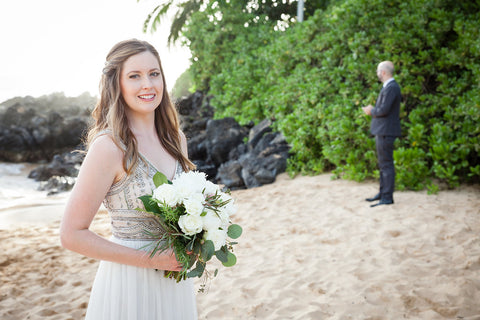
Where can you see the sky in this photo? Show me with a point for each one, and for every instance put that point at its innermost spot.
(49, 46)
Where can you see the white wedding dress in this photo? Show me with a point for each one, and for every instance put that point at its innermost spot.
(123, 292)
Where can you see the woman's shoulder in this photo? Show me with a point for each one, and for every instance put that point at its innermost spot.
(104, 145)
(104, 159)
(182, 136)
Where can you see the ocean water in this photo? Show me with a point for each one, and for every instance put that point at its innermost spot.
(16, 189)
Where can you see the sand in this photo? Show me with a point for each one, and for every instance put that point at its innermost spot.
(312, 248)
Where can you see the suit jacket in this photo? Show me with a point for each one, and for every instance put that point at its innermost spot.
(386, 114)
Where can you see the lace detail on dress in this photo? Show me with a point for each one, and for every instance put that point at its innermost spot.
(122, 200)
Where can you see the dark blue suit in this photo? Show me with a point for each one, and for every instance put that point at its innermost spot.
(385, 126)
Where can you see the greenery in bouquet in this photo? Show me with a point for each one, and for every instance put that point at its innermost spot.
(195, 216)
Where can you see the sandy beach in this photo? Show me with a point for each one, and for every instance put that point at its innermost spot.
(312, 248)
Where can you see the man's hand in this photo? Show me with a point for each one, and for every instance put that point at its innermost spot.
(368, 109)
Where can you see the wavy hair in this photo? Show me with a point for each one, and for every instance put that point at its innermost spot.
(109, 112)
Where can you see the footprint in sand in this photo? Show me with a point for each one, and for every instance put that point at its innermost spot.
(46, 312)
(77, 283)
(394, 233)
(315, 287)
(4, 262)
(58, 283)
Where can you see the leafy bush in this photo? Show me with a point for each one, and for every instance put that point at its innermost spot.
(182, 85)
(313, 78)
(411, 168)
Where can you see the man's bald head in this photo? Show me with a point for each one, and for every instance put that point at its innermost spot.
(385, 70)
(387, 66)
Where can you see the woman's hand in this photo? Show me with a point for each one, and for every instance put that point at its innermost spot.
(166, 261)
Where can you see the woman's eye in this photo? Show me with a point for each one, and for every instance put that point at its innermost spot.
(133, 76)
(155, 74)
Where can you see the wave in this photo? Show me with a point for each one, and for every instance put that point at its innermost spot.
(16, 189)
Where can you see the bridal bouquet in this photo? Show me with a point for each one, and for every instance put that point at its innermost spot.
(195, 216)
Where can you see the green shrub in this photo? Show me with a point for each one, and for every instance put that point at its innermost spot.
(183, 85)
(312, 79)
(411, 168)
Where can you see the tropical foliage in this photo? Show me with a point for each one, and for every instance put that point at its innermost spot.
(313, 77)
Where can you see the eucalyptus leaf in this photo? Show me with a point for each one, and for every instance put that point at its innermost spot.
(192, 260)
(234, 231)
(231, 261)
(198, 271)
(191, 243)
(208, 250)
(222, 255)
(197, 247)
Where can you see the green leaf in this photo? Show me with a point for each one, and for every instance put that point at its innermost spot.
(192, 260)
(191, 244)
(208, 249)
(222, 255)
(149, 204)
(198, 271)
(197, 247)
(159, 179)
(231, 261)
(234, 231)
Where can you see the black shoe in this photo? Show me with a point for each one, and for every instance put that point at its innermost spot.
(382, 201)
(374, 198)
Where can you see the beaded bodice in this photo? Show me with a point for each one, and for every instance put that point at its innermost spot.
(122, 200)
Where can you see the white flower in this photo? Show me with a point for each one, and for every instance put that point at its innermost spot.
(211, 221)
(218, 237)
(193, 180)
(230, 208)
(167, 194)
(184, 191)
(190, 225)
(211, 188)
(194, 204)
(224, 219)
(225, 196)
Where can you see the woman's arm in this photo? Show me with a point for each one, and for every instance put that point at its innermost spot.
(101, 168)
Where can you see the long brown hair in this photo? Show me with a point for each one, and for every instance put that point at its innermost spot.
(109, 112)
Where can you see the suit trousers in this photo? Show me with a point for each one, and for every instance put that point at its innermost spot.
(384, 145)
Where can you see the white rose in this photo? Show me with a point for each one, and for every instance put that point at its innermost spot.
(225, 196)
(230, 208)
(198, 179)
(190, 225)
(166, 193)
(211, 221)
(194, 204)
(193, 180)
(184, 191)
(211, 188)
(218, 237)
(224, 219)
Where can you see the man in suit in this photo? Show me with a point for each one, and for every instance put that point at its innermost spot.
(385, 126)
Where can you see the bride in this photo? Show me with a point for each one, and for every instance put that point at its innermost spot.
(135, 133)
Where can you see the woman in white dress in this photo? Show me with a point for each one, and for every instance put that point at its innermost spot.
(135, 133)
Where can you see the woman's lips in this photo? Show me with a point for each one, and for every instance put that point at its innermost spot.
(147, 97)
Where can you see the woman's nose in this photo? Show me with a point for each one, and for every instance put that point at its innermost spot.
(146, 83)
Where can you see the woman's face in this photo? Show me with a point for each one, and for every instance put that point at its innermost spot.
(141, 82)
